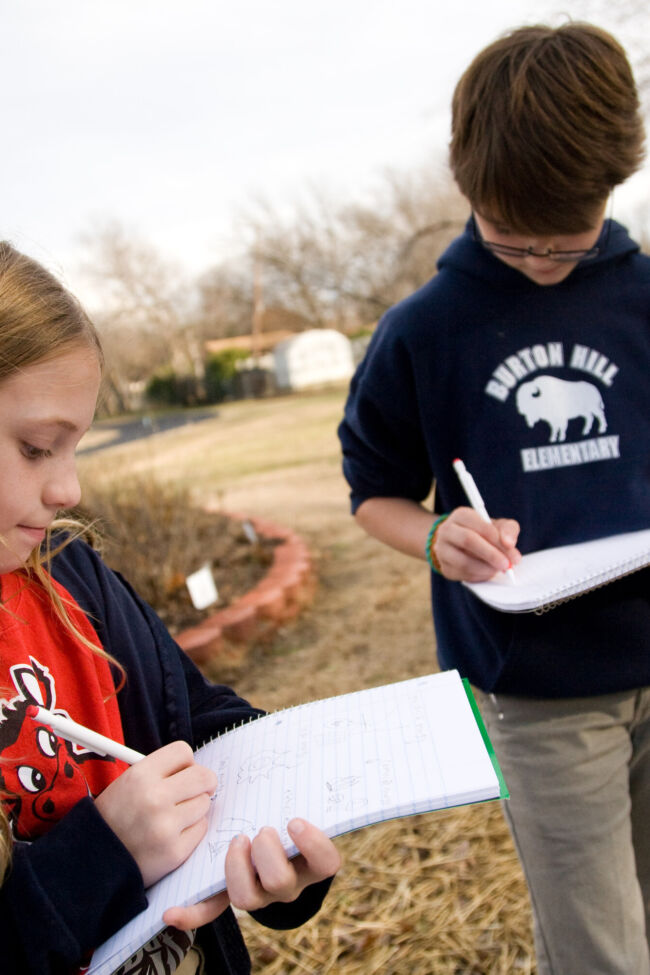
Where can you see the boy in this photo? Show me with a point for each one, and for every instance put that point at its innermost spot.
(540, 286)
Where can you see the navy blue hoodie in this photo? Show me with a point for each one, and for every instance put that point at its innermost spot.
(544, 393)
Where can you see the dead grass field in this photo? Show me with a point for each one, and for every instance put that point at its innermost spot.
(440, 894)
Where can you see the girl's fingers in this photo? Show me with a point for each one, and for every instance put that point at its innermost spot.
(321, 858)
(276, 873)
(192, 811)
(195, 780)
(188, 918)
(159, 808)
(260, 873)
(170, 774)
(244, 888)
(171, 758)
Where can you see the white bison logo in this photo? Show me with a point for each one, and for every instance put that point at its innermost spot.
(557, 401)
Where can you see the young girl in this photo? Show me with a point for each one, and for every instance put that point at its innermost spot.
(83, 835)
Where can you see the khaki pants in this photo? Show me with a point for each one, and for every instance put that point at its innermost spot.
(578, 772)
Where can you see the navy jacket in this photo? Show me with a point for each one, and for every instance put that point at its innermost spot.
(544, 393)
(75, 886)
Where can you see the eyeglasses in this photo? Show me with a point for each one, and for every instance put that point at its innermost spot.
(504, 250)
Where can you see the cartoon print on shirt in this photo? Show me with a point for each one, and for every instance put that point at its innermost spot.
(556, 401)
(559, 407)
(36, 766)
(41, 773)
(164, 954)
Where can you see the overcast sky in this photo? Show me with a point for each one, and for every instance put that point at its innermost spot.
(170, 115)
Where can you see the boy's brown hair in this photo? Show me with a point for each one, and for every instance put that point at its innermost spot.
(545, 123)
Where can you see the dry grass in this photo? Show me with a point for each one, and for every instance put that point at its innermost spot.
(440, 894)
(246, 440)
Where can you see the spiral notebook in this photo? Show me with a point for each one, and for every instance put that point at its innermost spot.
(341, 763)
(550, 577)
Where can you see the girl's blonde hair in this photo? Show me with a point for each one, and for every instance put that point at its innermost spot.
(39, 320)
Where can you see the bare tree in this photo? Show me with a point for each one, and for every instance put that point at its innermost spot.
(339, 264)
(226, 299)
(145, 312)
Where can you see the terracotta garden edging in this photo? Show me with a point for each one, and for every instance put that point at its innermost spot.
(284, 591)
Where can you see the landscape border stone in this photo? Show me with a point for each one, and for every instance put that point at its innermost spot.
(280, 596)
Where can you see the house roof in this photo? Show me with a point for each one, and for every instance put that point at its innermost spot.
(262, 342)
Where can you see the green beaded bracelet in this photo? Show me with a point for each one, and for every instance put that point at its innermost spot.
(428, 547)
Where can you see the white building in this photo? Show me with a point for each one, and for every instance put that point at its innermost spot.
(312, 358)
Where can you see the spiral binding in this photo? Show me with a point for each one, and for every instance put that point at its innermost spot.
(541, 610)
(268, 714)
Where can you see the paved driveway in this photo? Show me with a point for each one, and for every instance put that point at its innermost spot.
(146, 426)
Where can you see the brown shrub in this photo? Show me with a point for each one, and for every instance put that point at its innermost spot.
(155, 536)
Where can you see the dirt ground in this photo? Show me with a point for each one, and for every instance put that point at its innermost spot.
(436, 895)
(370, 621)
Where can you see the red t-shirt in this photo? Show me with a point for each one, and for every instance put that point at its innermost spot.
(41, 662)
(42, 775)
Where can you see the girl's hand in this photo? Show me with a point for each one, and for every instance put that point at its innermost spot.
(471, 550)
(158, 808)
(260, 873)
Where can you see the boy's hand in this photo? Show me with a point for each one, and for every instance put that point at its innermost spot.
(260, 873)
(469, 549)
(158, 808)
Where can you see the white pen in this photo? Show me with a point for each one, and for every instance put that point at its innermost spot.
(79, 735)
(475, 499)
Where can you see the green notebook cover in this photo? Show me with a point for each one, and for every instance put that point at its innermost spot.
(503, 788)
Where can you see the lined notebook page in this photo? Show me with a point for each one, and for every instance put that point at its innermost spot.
(555, 574)
(341, 763)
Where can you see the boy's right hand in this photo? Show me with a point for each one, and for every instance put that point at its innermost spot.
(158, 808)
(469, 549)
